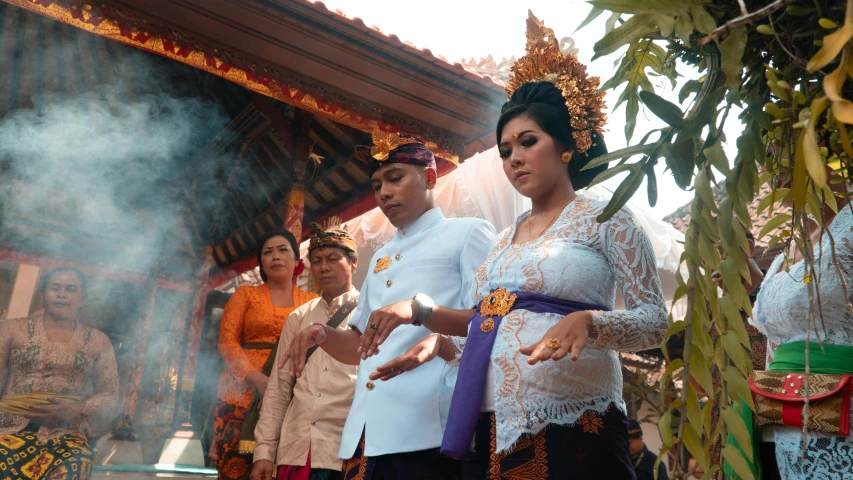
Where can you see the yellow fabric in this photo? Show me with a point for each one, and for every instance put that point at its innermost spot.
(21, 403)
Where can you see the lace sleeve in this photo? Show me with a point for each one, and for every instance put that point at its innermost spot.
(458, 346)
(105, 378)
(632, 259)
(231, 334)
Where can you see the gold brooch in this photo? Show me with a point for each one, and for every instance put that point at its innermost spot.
(488, 325)
(497, 304)
(382, 264)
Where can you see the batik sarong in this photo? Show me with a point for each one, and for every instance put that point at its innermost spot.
(421, 465)
(23, 456)
(595, 447)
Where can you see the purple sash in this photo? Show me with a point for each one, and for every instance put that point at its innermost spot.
(476, 360)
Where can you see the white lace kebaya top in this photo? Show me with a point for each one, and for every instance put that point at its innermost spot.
(581, 260)
(780, 312)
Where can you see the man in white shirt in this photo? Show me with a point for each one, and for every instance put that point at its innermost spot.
(394, 429)
(301, 422)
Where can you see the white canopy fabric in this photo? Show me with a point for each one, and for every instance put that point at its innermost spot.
(479, 188)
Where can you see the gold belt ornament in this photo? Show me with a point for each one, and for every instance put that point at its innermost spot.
(498, 304)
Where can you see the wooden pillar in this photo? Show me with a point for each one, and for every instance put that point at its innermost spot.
(300, 152)
(140, 345)
(189, 360)
(295, 210)
(26, 284)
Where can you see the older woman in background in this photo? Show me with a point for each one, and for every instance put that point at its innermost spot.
(251, 324)
(55, 372)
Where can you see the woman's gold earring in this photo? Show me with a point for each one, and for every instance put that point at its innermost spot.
(566, 157)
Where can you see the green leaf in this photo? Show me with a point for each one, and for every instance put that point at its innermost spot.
(703, 20)
(593, 14)
(829, 198)
(618, 155)
(774, 223)
(684, 27)
(799, 182)
(610, 24)
(633, 29)
(694, 410)
(715, 154)
(665, 428)
(703, 189)
(664, 109)
(735, 425)
(690, 87)
(731, 50)
(832, 45)
(731, 277)
(612, 172)
(622, 194)
(699, 369)
(666, 23)
(631, 111)
(735, 351)
(679, 159)
(693, 443)
(777, 195)
(737, 461)
(732, 313)
(674, 329)
(651, 184)
(708, 250)
(737, 387)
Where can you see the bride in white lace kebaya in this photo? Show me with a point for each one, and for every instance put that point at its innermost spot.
(539, 391)
(780, 312)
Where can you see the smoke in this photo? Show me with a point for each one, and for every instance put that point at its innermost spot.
(96, 169)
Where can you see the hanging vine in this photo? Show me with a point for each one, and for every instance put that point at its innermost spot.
(787, 67)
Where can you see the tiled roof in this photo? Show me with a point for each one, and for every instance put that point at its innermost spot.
(409, 47)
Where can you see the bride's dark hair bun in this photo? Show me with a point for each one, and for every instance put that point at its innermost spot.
(543, 103)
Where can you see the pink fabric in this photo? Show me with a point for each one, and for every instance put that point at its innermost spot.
(292, 472)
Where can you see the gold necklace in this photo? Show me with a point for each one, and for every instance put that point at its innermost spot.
(554, 219)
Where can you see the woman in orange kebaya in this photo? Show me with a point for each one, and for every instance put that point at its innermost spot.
(251, 324)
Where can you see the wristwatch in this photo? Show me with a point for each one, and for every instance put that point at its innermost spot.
(425, 305)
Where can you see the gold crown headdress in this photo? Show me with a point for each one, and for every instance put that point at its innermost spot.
(545, 62)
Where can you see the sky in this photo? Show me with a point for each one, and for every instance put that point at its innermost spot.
(462, 29)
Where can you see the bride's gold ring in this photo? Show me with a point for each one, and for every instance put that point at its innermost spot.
(553, 343)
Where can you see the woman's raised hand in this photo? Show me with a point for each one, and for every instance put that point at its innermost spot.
(567, 336)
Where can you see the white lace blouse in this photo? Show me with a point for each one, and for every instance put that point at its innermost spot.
(581, 260)
(780, 312)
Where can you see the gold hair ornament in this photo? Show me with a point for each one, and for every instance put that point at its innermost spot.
(384, 143)
(545, 62)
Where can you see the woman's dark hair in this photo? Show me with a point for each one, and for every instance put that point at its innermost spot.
(276, 232)
(543, 103)
(51, 273)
